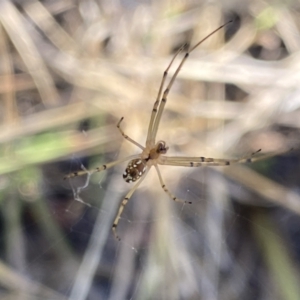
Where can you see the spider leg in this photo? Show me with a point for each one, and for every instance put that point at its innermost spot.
(127, 137)
(166, 190)
(167, 90)
(103, 167)
(185, 161)
(156, 103)
(198, 164)
(124, 202)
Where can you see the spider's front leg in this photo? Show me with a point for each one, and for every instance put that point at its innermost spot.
(159, 104)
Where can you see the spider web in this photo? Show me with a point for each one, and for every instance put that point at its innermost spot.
(170, 250)
(219, 247)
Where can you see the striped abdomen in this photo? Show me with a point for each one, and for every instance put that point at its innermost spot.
(135, 169)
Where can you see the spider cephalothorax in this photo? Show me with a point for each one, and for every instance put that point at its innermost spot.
(161, 147)
(157, 150)
(153, 153)
(137, 167)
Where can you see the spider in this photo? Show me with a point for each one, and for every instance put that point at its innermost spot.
(153, 154)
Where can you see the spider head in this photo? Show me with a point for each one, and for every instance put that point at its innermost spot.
(154, 153)
(161, 147)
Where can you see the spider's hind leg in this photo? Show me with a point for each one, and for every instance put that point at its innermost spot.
(123, 204)
(102, 168)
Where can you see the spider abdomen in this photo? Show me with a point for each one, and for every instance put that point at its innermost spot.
(135, 169)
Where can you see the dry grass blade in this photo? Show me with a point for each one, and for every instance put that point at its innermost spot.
(59, 37)
(14, 25)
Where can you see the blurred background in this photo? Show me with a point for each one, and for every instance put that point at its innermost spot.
(69, 71)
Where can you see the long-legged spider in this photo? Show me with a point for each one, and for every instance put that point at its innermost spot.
(153, 153)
